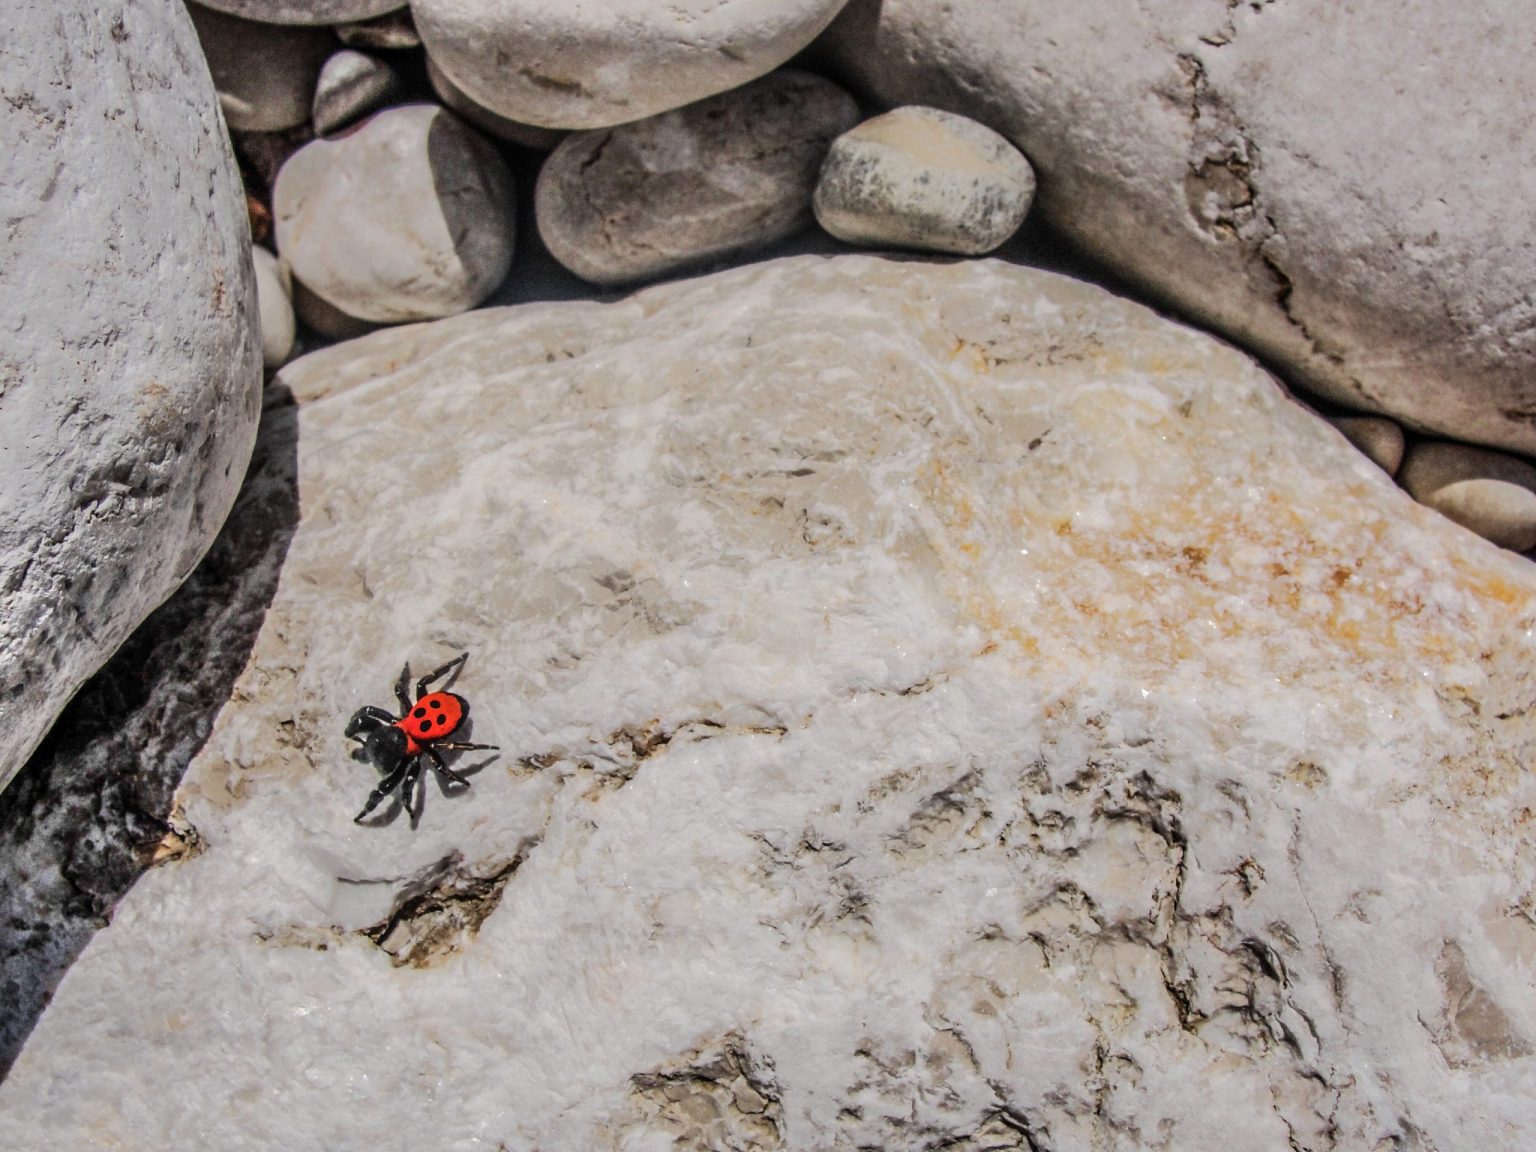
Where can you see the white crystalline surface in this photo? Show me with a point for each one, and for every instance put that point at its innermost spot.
(940, 706)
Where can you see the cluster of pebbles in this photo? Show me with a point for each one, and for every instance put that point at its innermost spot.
(384, 149)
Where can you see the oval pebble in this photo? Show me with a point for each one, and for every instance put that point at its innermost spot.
(1380, 440)
(305, 11)
(918, 177)
(351, 85)
(724, 175)
(1491, 493)
(274, 299)
(523, 135)
(411, 217)
(265, 74)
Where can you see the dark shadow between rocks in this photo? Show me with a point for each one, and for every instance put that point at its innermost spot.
(85, 816)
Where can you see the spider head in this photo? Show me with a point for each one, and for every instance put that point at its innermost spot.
(383, 746)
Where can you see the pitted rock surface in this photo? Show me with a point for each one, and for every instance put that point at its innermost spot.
(130, 378)
(940, 706)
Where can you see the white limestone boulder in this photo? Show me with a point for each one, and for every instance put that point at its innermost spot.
(411, 217)
(938, 705)
(726, 175)
(1333, 186)
(558, 64)
(922, 178)
(305, 11)
(264, 73)
(130, 376)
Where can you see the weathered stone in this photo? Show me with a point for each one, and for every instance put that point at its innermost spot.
(921, 178)
(593, 65)
(1489, 492)
(131, 372)
(265, 73)
(351, 85)
(1277, 171)
(274, 297)
(524, 135)
(408, 218)
(1380, 439)
(936, 703)
(305, 11)
(725, 175)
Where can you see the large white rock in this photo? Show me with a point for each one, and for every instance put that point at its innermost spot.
(1333, 185)
(130, 375)
(939, 705)
(594, 63)
(411, 217)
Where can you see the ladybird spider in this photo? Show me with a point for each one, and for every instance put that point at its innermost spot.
(396, 744)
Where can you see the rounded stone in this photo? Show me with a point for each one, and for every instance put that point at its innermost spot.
(305, 11)
(351, 84)
(919, 177)
(327, 319)
(1379, 439)
(730, 173)
(411, 217)
(591, 65)
(130, 376)
(1491, 493)
(264, 73)
(391, 32)
(274, 295)
(523, 135)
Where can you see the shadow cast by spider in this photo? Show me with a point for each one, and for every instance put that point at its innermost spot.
(399, 745)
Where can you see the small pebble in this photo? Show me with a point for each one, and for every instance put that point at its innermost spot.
(411, 217)
(1379, 439)
(920, 178)
(351, 85)
(325, 318)
(1491, 493)
(523, 135)
(264, 73)
(730, 173)
(391, 32)
(274, 299)
(305, 11)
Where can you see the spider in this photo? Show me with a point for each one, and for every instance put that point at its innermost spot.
(395, 745)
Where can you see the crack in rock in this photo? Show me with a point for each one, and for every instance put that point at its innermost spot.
(438, 912)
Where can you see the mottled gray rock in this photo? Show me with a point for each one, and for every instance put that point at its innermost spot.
(1380, 439)
(408, 218)
(351, 84)
(1331, 185)
(274, 296)
(305, 11)
(524, 135)
(327, 319)
(131, 373)
(727, 174)
(391, 32)
(921, 178)
(265, 73)
(92, 809)
(602, 62)
(939, 705)
(1491, 493)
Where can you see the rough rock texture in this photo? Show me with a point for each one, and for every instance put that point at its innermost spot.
(410, 217)
(728, 174)
(923, 178)
(595, 63)
(940, 706)
(130, 375)
(264, 73)
(1331, 185)
(1489, 492)
(304, 11)
(92, 808)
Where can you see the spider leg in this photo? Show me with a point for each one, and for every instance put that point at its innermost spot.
(367, 719)
(456, 746)
(386, 786)
(400, 693)
(408, 788)
(421, 685)
(442, 769)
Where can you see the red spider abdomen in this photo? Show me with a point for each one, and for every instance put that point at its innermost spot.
(432, 718)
